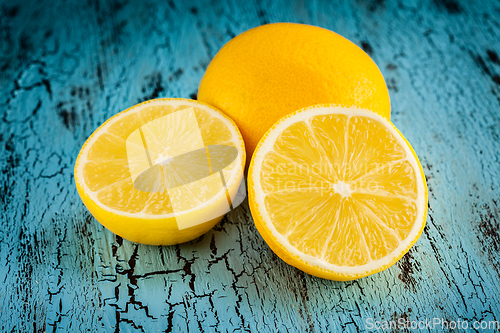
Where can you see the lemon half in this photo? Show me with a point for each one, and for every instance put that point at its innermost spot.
(337, 192)
(156, 173)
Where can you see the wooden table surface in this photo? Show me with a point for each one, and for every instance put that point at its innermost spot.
(67, 67)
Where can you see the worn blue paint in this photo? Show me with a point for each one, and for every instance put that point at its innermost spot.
(66, 67)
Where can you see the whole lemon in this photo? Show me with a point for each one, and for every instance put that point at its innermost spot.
(270, 71)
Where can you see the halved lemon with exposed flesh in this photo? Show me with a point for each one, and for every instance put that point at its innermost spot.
(337, 192)
(162, 172)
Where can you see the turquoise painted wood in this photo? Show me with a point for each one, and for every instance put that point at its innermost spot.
(65, 67)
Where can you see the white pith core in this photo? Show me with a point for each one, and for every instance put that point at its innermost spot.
(161, 158)
(342, 188)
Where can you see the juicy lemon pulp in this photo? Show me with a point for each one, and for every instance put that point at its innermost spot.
(338, 193)
(156, 172)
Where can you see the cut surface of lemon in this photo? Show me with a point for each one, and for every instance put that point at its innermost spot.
(337, 192)
(162, 172)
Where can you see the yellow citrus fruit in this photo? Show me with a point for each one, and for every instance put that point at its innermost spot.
(161, 172)
(337, 192)
(275, 69)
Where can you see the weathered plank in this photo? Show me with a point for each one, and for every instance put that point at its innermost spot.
(66, 67)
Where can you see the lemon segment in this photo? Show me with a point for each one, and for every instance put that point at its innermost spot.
(337, 192)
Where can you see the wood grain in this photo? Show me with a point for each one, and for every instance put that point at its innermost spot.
(65, 67)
